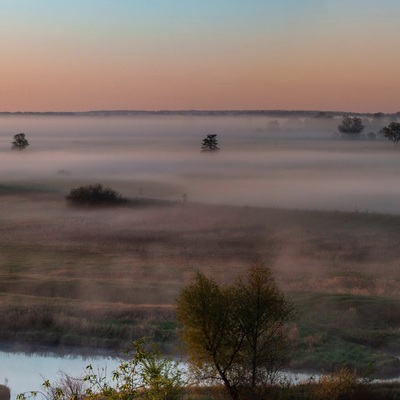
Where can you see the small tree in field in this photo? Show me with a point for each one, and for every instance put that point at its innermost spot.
(352, 125)
(20, 142)
(392, 132)
(236, 333)
(210, 143)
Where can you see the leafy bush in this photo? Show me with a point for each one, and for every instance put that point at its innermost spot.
(94, 195)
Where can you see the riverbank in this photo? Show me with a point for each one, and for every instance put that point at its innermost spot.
(54, 367)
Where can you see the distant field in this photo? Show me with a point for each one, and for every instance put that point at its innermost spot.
(102, 277)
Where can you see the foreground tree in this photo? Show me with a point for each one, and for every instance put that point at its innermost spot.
(352, 125)
(392, 132)
(210, 143)
(20, 142)
(236, 333)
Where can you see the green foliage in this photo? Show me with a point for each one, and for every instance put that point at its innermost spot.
(210, 143)
(351, 125)
(392, 132)
(145, 375)
(235, 333)
(94, 195)
(20, 142)
(346, 330)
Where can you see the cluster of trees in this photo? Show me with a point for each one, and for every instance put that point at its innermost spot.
(348, 125)
(20, 142)
(354, 126)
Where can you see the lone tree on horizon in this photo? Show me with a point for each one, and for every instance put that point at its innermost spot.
(392, 132)
(20, 142)
(352, 125)
(210, 143)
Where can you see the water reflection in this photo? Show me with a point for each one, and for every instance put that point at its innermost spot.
(26, 372)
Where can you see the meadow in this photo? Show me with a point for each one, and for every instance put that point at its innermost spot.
(321, 211)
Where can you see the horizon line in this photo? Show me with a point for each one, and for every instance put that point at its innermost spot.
(199, 111)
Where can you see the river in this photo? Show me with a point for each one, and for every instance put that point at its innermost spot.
(24, 372)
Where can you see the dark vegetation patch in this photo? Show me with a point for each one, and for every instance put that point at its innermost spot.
(95, 195)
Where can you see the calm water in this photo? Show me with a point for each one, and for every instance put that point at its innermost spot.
(26, 372)
(290, 163)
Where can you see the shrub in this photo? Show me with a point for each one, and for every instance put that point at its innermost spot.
(20, 142)
(351, 125)
(94, 195)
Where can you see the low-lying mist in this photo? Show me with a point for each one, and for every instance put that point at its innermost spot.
(288, 163)
(102, 276)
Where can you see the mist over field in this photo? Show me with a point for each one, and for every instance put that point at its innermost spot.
(95, 278)
(266, 162)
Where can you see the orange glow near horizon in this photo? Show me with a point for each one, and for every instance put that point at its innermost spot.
(319, 61)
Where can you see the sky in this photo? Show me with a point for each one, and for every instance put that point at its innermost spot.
(78, 55)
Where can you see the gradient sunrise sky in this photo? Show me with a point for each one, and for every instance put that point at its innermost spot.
(189, 54)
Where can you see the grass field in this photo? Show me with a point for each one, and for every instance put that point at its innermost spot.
(103, 277)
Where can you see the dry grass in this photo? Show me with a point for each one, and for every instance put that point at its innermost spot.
(100, 276)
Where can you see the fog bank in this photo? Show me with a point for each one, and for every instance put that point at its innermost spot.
(289, 163)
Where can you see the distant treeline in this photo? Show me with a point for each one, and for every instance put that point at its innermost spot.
(266, 113)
